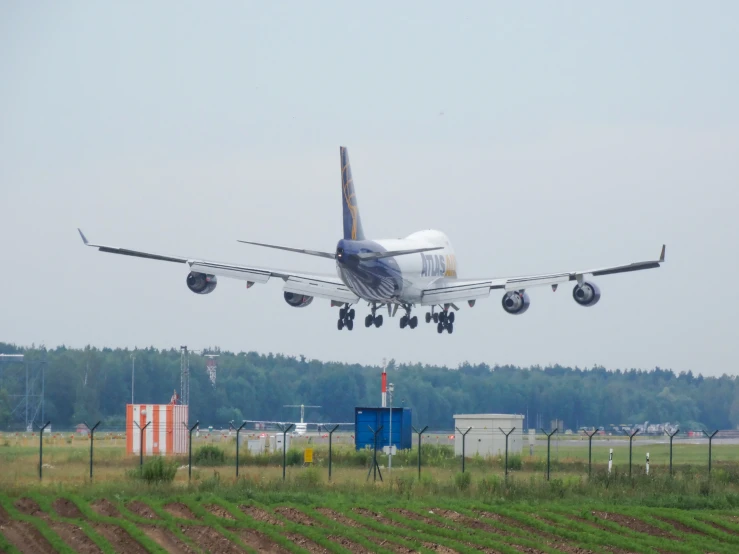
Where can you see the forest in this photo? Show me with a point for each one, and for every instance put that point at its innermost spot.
(91, 384)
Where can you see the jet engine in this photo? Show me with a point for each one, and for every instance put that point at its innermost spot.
(516, 302)
(297, 300)
(200, 283)
(586, 294)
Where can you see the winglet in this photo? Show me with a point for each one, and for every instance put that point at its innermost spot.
(662, 254)
(84, 238)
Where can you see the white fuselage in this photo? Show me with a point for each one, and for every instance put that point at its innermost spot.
(400, 279)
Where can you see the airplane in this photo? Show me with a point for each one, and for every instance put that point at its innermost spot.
(302, 427)
(419, 270)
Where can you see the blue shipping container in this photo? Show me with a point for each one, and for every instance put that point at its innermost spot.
(364, 418)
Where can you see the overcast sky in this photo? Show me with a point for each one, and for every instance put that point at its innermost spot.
(547, 137)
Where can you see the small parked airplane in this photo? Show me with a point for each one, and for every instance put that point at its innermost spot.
(418, 270)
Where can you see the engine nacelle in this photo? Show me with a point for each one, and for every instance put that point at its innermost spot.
(201, 283)
(297, 300)
(516, 302)
(586, 294)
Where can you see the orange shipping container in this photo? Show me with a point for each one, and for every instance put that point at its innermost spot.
(166, 432)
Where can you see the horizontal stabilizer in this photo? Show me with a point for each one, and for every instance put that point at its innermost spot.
(330, 255)
(362, 256)
(366, 256)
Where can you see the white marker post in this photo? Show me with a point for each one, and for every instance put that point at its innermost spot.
(610, 461)
(647, 463)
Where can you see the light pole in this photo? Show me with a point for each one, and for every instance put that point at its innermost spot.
(390, 390)
(133, 365)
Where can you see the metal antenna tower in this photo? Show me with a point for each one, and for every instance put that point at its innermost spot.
(184, 376)
(210, 367)
(30, 405)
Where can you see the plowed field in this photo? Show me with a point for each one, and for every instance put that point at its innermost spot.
(191, 523)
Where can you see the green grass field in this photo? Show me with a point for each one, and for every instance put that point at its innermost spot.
(66, 458)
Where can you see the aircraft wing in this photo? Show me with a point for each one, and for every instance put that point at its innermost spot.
(445, 291)
(329, 287)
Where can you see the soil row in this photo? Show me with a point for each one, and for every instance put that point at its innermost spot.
(358, 530)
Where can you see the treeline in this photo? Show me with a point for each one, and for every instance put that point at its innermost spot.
(95, 384)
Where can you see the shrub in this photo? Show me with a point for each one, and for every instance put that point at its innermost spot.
(515, 462)
(209, 455)
(462, 481)
(156, 470)
(293, 457)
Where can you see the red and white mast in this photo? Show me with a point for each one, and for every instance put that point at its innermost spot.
(384, 383)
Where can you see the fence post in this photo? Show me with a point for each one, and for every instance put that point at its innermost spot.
(141, 441)
(237, 447)
(710, 440)
(590, 451)
(330, 438)
(92, 439)
(631, 438)
(549, 440)
(419, 448)
(506, 448)
(672, 436)
(189, 449)
(41, 449)
(374, 467)
(464, 436)
(285, 430)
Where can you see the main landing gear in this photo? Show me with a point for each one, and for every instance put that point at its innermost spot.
(407, 320)
(443, 320)
(346, 318)
(373, 318)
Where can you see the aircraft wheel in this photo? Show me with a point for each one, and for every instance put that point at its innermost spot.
(350, 324)
(442, 317)
(435, 317)
(451, 317)
(413, 322)
(351, 314)
(368, 320)
(439, 327)
(340, 325)
(450, 328)
(428, 317)
(378, 321)
(342, 313)
(403, 321)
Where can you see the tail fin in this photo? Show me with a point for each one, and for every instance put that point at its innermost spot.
(352, 222)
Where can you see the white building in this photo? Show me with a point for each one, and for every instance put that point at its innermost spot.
(485, 436)
(275, 443)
